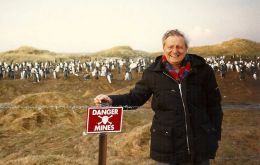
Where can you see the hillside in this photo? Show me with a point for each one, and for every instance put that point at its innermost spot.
(236, 46)
(27, 53)
(120, 51)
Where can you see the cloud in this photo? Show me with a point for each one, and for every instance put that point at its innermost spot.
(198, 32)
(199, 35)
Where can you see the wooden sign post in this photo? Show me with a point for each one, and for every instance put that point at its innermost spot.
(101, 120)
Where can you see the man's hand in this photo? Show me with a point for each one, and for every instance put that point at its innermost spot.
(102, 99)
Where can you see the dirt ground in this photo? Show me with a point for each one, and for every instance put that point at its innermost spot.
(47, 120)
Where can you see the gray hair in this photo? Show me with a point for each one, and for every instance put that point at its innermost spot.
(175, 32)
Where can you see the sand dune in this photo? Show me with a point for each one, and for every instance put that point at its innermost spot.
(43, 98)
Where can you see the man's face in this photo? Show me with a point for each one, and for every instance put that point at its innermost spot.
(174, 49)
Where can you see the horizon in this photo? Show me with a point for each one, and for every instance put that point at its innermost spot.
(78, 27)
(37, 48)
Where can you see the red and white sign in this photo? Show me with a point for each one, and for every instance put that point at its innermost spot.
(104, 119)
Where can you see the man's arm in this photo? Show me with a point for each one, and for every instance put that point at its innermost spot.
(132, 100)
(214, 102)
(136, 97)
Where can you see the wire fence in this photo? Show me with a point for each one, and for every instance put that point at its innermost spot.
(55, 107)
(80, 107)
(42, 107)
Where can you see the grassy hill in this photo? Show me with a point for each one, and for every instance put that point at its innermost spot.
(27, 53)
(236, 46)
(120, 51)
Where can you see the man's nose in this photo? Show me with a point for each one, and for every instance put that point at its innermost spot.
(174, 50)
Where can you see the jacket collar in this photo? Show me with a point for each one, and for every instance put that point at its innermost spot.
(196, 61)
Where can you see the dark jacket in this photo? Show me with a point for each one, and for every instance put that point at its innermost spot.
(188, 115)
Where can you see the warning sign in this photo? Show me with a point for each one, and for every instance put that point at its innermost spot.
(104, 119)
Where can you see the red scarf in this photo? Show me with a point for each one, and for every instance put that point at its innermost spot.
(183, 70)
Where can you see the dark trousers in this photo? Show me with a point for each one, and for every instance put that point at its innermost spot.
(206, 162)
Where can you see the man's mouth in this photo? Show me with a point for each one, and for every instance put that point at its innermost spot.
(175, 55)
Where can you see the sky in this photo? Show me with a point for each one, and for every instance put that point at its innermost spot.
(94, 25)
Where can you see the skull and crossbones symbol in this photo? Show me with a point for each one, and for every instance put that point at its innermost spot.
(104, 119)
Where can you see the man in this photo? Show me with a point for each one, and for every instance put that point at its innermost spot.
(186, 100)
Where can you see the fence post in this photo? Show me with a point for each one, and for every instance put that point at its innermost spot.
(102, 149)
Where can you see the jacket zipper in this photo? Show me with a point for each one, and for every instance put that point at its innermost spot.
(185, 113)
